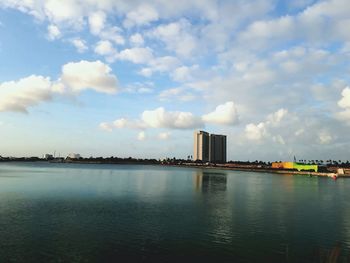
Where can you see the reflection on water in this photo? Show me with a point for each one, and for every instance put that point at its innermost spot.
(209, 181)
(104, 213)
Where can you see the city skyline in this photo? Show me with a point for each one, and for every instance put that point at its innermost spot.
(135, 78)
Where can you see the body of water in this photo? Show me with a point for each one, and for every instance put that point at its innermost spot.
(110, 213)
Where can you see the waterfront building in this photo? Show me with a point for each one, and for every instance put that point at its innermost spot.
(74, 156)
(209, 147)
(294, 166)
(48, 156)
(201, 146)
(217, 148)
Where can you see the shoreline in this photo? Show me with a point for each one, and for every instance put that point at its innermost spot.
(266, 170)
(216, 167)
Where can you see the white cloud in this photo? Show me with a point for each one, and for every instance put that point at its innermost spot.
(114, 34)
(225, 114)
(53, 32)
(105, 48)
(140, 88)
(80, 45)
(177, 37)
(106, 126)
(184, 73)
(277, 116)
(27, 92)
(99, 27)
(258, 132)
(141, 136)
(160, 64)
(146, 72)
(137, 39)
(97, 22)
(83, 75)
(142, 15)
(255, 132)
(64, 11)
(136, 55)
(122, 123)
(283, 27)
(160, 118)
(180, 93)
(344, 102)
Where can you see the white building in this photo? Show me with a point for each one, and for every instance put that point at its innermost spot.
(201, 146)
(74, 156)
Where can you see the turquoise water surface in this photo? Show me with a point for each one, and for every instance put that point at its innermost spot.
(109, 213)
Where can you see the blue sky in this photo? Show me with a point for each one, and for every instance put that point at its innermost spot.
(136, 78)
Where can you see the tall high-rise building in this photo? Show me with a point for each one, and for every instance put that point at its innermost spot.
(217, 148)
(209, 148)
(201, 146)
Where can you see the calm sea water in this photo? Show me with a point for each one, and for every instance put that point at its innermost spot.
(110, 213)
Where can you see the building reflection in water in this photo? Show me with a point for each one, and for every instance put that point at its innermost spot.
(209, 182)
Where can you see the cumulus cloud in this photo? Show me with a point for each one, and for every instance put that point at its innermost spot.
(277, 116)
(27, 92)
(160, 64)
(344, 103)
(160, 118)
(184, 73)
(53, 32)
(137, 39)
(180, 93)
(123, 123)
(99, 27)
(142, 15)
(258, 132)
(225, 114)
(97, 22)
(177, 37)
(136, 55)
(105, 48)
(80, 45)
(83, 75)
(140, 88)
(106, 126)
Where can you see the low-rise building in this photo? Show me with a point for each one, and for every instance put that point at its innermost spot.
(74, 156)
(294, 165)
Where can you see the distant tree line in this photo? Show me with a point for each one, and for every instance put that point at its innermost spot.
(169, 161)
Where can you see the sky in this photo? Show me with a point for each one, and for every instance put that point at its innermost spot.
(137, 78)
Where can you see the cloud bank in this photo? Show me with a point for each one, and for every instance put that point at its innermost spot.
(19, 96)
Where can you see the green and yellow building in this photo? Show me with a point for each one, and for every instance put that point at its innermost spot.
(295, 166)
